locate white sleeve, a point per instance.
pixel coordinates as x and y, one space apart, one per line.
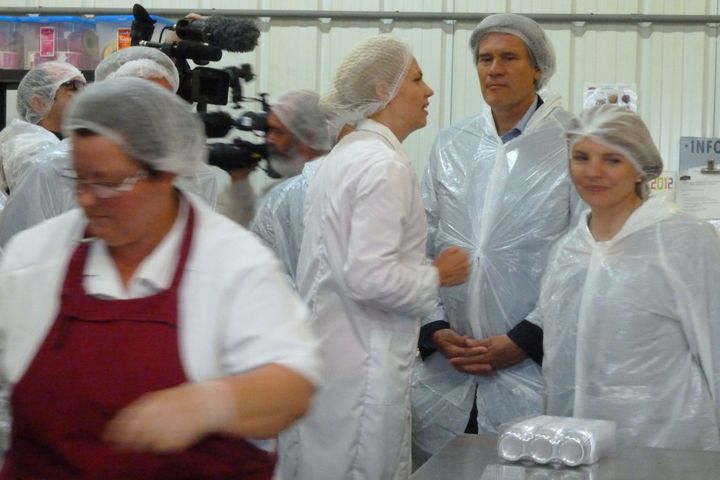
374 271
267 322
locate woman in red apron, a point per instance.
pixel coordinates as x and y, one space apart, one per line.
106 395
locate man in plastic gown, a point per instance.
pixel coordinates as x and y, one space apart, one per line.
497 185
298 138
32 139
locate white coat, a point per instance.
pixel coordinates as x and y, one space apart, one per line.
362 271
631 329
506 204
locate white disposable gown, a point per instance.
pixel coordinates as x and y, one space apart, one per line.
21 141
631 328
364 275
506 204
279 219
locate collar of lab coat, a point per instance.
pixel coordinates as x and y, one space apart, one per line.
369 125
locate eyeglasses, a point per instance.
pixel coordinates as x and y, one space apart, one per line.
105 190
74 85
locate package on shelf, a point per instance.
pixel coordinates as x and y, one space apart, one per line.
113 32
11 43
60 38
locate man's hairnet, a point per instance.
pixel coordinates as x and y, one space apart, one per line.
623 130
527 30
380 61
300 112
139 62
151 124
43 82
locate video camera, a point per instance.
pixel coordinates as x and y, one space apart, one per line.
202 41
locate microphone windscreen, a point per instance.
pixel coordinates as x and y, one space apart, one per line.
234 35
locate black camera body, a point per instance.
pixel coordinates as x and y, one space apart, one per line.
202 41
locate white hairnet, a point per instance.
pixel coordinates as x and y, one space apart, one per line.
43 82
300 112
151 124
529 31
382 60
624 130
139 62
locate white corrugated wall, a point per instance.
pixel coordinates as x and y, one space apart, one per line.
674 66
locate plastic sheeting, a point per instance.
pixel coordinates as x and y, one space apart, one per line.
40 193
631 328
506 204
20 141
279 220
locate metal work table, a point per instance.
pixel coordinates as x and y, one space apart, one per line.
473 457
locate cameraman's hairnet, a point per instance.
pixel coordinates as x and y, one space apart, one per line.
43 82
299 111
380 60
623 130
529 31
139 62
151 124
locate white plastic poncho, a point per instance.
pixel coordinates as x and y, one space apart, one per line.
279 219
631 329
20 142
506 204
42 192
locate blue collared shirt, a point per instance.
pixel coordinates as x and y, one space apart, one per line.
519 127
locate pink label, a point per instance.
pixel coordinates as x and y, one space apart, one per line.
47 41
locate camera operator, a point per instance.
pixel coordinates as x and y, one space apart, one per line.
209 182
297 139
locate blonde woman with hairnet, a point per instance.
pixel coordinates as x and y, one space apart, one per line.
146 336
629 303
362 270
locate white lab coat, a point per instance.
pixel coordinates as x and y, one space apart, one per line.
279 219
236 311
631 328
362 271
506 204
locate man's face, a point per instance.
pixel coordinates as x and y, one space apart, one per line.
279 138
506 72
283 148
64 94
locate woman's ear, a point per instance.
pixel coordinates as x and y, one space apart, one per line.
382 90
38 105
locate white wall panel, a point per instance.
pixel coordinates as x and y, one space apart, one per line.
675 67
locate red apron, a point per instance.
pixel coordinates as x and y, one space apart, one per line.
98 357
